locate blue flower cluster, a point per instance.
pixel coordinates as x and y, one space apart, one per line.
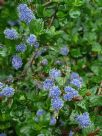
6 90
32 39
3 134
11 34
74 75
54 73
71 133
40 112
54 92
21 48
64 51
25 14
53 121
70 93
83 120
1 85
57 103
47 84
76 83
76 80
16 62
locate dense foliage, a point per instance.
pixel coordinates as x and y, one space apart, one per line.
50 68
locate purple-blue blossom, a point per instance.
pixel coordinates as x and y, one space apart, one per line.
1 85
8 91
11 34
25 13
53 121
83 120
68 89
47 84
21 47
71 133
77 83
64 51
70 93
40 112
32 39
16 62
54 73
74 75
54 92
36 45
3 134
57 103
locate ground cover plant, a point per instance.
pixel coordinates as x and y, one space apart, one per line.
50 68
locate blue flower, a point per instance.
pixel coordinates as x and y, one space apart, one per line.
44 62
71 133
53 121
83 120
11 34
57 103
16 62
32 39
70 93
54 73
54 92
21 48
74 75
25 13
1 85
76 82
68 89
64 51
8 91
47 84
36 44
40 112
3 134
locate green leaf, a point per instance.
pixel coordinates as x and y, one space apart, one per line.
48 12
37 26
74 13
96 47
95 101
76 53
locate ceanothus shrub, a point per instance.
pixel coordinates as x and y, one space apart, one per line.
50 68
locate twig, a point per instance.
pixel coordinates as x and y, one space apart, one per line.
47 3
53 17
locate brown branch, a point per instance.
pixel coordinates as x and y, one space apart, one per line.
47 3
94 133
53 17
